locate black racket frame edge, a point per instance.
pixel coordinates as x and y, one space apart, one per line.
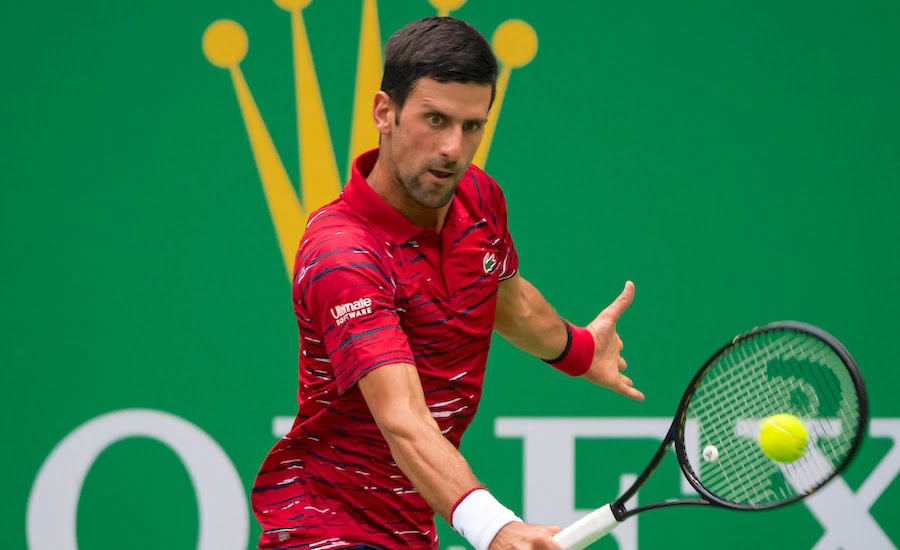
676 431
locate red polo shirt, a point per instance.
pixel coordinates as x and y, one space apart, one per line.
371 288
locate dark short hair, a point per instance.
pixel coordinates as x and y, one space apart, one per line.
443 48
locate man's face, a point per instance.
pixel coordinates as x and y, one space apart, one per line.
434 138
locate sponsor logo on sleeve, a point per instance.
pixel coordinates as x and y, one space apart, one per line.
351 310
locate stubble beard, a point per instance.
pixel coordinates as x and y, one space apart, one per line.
418 192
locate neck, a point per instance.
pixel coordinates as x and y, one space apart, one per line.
391 190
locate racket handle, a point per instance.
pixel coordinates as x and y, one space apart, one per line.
588 529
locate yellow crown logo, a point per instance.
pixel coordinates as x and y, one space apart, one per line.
225 45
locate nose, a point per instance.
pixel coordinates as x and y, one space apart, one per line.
451 143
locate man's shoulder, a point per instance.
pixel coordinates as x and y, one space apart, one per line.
481 191
336 236
337 223
476 179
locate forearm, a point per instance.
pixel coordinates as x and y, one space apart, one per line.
435 467
527 320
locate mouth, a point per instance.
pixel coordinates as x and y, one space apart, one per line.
441 175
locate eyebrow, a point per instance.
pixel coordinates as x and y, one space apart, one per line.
429 109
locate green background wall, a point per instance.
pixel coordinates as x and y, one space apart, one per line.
740 161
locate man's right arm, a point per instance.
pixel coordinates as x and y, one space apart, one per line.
434 466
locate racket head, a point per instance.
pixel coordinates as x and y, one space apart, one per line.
783 367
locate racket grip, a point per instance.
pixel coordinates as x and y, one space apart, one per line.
588 529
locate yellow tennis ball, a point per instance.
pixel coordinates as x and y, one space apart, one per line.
783 437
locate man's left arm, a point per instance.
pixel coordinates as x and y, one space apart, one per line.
529 322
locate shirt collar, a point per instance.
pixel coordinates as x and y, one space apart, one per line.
365 201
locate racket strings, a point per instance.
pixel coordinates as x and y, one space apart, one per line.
735 387
780 371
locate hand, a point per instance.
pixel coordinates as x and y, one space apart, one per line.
524 536
607 366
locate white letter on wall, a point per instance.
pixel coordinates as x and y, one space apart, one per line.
52 505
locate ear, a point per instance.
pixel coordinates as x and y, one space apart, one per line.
383 113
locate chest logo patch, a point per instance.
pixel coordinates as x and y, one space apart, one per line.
490 262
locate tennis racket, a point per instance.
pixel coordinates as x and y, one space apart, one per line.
783 367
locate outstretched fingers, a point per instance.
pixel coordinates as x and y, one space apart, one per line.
626 388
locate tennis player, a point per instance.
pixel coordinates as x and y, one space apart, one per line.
398 287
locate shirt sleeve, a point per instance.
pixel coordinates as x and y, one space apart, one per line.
346 288
509 264
508 257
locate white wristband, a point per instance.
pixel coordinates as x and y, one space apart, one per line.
479 517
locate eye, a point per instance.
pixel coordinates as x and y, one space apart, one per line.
435 119
471 126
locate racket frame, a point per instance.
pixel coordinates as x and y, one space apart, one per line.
676 431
